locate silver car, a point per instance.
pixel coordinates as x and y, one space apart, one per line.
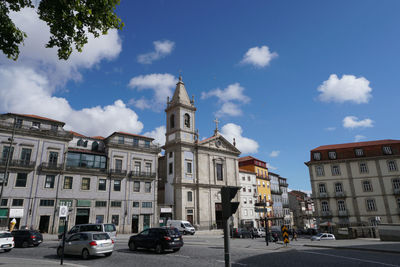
87 244
6 241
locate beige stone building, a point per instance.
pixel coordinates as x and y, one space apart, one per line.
356 184
194 170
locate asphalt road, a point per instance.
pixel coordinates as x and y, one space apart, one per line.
207 252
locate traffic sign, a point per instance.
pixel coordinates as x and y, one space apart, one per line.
285 234
63 211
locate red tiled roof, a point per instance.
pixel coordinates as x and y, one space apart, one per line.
357 144
250 158
36 117
98 137
77 134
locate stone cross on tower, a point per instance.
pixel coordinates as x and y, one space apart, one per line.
216 126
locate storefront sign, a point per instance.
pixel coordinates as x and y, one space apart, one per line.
16 213
166 210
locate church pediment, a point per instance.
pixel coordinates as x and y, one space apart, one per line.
218 142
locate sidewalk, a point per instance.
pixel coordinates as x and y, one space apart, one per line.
363 244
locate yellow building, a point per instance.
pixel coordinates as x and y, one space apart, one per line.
263 183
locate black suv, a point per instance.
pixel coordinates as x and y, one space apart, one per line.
158 239
25 238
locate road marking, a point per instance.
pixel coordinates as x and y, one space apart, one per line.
237 263
350 258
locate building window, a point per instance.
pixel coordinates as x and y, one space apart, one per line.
189 167
244 200
99 218
371 206
319 170
115 219
137 168
359 152
118 164
398 203
36 125
146 143
135 204
387 150
135 142
85 184
324 206
341 205
243 178
136 186
363 167
189 196
338 187
367 186
146 221
117 185
335 170
26 155
392 165
21 180
317 156
244 189
147 167
396 183
101 203
17 202
18 123
322 188
170 154
250 201
220 176
102 185
121 140
263 184
80 142
116 204
47 202
2 175
187 120
4 202
248 178
6 149
147 187
68 182
95 146
332 154
172 121
54 128
170 168
53 158
147 204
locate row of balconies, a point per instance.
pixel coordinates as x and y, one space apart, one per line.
131 144
36 131
340 213
24 165
396 191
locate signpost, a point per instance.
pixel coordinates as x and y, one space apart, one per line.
63 213
285 234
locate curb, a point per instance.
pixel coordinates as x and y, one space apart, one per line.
355 248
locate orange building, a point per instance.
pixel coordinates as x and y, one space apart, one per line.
263 182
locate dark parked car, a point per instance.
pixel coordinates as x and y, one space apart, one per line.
158 239
26 238
241 233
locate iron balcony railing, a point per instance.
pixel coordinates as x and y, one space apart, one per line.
342 213
340 194
19 163
138 174
118 172
85 168
396 191
130 143
35 130
51 166
323 195
326 214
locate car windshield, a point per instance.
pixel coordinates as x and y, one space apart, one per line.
103 236
187 224
91 228
319 234
5 235
109 228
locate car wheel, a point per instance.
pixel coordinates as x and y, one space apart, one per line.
108 254
159 249
25 244
132 246
7 250
176 249
59 251
184 232
192 233
85 254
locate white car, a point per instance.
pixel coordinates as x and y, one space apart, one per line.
261 232
6 241
323 236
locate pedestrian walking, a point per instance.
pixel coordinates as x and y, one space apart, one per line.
294 235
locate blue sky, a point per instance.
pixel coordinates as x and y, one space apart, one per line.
282 76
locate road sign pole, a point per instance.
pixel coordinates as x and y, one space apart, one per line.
63 240
226 243
266 223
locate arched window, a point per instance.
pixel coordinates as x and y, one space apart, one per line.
95 146
187 120
80 142
85 143
172 121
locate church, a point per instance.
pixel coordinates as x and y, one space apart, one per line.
192 171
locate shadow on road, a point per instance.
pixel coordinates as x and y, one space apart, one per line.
142 251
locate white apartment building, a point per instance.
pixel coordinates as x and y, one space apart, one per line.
248 197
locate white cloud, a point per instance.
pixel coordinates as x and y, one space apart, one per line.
37 99
353 122
330 129
141 103
244 144
160 84
359 138
259 56
348 88
229 98
161 50
274 153
158 134
34 54
271 167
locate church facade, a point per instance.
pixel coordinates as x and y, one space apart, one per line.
192 172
